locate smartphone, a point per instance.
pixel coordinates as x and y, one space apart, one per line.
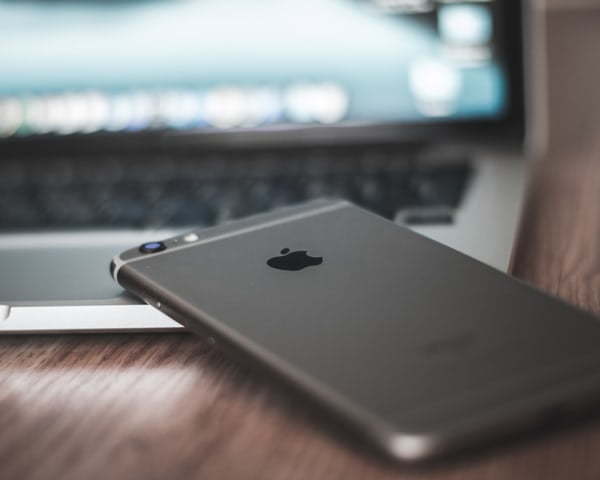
418 348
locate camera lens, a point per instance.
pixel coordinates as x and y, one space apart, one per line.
152 247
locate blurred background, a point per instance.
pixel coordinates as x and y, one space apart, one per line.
125 120
87 66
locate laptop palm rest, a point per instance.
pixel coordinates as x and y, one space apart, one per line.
59 282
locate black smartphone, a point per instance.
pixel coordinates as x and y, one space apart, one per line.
420 349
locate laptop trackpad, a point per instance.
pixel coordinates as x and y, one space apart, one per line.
64 268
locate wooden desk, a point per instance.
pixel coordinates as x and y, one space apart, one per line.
167 407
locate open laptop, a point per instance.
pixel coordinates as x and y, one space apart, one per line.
123 122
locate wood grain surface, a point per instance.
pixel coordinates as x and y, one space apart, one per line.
159 406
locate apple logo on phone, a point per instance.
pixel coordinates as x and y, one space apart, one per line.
293 261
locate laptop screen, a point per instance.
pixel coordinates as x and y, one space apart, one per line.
79 67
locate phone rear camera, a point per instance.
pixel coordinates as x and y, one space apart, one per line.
152 247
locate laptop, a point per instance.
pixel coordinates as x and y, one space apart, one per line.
124 122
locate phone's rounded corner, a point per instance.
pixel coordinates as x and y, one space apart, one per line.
411 448
115 264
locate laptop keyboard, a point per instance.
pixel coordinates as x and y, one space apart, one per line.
202 189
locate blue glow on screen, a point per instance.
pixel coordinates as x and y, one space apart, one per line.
84 66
